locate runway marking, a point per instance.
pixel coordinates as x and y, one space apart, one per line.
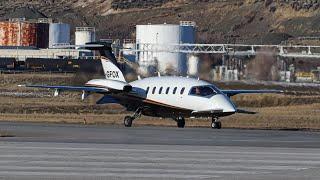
120 170
30 151
159 159
86 174
274 141
38 165
220 148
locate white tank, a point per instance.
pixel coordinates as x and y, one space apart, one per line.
193 65
59 33
161 35
84 35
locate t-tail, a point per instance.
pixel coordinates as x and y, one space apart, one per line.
109 62
111 71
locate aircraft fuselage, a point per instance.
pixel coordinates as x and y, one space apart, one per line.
177 96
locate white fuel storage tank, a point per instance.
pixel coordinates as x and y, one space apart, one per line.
156 36
59 34
84 35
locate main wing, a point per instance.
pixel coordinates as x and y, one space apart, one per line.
235 92
70 88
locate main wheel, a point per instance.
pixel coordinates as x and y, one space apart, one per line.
216 125
128 121
181 122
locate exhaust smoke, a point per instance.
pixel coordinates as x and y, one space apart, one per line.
263 67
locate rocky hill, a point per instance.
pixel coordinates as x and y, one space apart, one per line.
218 21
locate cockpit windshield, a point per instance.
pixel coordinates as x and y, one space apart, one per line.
203 91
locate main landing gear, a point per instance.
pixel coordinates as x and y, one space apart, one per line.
215 124
128 120
180 122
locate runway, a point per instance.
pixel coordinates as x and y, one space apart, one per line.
58 151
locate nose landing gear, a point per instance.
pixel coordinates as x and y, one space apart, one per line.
180 122
215 124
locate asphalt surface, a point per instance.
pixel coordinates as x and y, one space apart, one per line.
59 151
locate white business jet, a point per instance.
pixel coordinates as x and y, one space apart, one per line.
163 96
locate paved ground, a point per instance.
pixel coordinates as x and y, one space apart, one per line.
51 151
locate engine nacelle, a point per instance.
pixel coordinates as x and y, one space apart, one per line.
110 85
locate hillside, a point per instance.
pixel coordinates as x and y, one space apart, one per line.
218 21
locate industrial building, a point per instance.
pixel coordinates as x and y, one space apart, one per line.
19 33
40 33
41 40
166 48
23 53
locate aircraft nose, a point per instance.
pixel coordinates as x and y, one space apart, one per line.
224 103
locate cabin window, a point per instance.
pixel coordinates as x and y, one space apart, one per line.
182 90
203 91
147 91
175 90
160 90
167 91
153 90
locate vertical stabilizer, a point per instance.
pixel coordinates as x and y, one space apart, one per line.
111 71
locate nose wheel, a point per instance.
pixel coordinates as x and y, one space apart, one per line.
215 124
